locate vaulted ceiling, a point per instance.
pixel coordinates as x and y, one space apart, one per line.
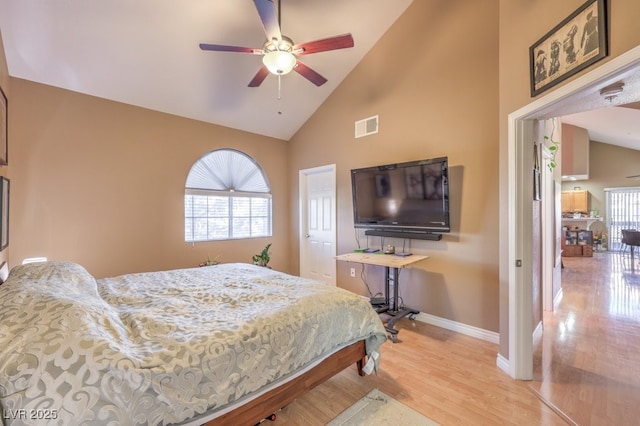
146 53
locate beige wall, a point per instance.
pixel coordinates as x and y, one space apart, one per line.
102 183
4 83
433 80
522 23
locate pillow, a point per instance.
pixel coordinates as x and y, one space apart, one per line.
52 275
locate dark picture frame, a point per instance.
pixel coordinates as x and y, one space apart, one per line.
576 43
4 128
4 213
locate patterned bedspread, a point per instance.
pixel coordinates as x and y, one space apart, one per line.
161 347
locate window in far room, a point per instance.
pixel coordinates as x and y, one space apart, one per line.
227 196
622 212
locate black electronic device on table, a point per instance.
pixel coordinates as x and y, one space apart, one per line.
377 300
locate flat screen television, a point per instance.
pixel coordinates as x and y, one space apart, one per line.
410 197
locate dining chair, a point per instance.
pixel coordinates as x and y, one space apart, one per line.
631 239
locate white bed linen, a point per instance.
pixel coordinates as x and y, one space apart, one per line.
162 347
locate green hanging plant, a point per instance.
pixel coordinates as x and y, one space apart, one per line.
553 148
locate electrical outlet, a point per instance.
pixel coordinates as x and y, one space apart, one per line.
353 272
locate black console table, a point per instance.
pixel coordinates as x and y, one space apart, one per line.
392 265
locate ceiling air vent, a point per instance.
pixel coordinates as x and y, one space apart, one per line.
367 126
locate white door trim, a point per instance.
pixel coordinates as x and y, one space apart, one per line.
548 230
302 203
519 230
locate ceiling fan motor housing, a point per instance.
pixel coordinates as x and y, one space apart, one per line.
278 57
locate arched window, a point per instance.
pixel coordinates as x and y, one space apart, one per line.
227 196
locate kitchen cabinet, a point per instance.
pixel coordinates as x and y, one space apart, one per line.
575 201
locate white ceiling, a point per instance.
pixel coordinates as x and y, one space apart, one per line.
613 125
615 121
145 53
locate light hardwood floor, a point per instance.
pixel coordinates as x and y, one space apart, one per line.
449 377
586 364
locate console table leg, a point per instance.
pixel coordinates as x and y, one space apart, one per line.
390 325
396 292
392 276
387 285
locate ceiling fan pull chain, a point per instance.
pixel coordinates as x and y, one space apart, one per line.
279 97
279 86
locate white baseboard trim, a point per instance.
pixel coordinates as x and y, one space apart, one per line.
469 330
557 299
503 364
537 333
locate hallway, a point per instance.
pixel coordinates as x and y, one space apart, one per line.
587 362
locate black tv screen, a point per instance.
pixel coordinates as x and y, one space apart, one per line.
411 196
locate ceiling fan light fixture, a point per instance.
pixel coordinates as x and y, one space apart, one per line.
279 62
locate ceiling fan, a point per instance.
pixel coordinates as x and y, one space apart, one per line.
280 54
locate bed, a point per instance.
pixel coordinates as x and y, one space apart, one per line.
229 343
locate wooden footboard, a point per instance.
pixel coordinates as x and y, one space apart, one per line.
254 411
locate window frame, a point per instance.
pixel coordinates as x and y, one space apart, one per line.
232 195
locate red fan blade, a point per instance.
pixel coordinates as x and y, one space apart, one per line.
223 48
269 17
309 74
332 43
263 72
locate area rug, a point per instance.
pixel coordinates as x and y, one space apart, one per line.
376 408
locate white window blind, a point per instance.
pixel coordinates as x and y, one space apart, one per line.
623 212
227 196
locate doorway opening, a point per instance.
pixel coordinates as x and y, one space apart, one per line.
567 99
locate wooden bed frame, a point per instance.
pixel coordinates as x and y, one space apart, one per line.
257 409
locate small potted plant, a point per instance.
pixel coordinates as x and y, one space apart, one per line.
263 258
209 261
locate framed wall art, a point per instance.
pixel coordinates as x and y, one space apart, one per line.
4 212
4 128
576 43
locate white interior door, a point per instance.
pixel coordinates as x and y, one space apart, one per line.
318 224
